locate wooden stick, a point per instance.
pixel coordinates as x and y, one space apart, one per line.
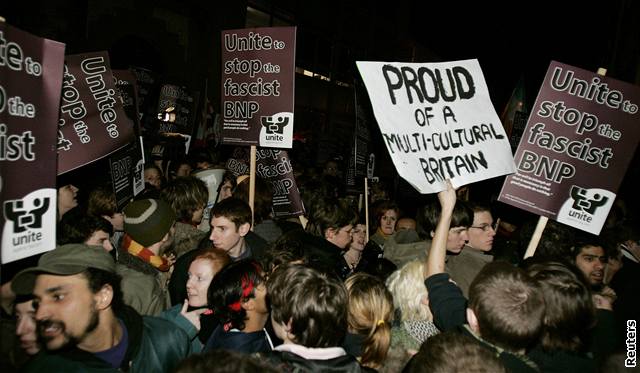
366 208
252 182
535 239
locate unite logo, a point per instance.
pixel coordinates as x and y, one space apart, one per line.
274 124
583 205
585 208
276 130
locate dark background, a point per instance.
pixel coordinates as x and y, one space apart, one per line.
180 42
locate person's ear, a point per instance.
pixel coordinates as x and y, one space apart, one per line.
248 304
244 229
104 297
473 321
432 233
287 329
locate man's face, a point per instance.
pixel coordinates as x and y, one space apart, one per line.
340 237
481 233
100 238
457 238
67 197
26 327
406 224
65 310
592 262
226 236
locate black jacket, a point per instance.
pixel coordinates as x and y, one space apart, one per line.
449 309
247 343
285 361
155 345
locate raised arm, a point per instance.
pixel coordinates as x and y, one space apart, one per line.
447 304
438 251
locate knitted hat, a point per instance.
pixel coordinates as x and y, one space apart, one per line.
148 220
65 260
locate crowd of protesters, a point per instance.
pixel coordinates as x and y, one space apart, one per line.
149 289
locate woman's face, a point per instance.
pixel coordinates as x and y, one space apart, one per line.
201 272
358 237
388 222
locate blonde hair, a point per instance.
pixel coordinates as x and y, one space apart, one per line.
370 313
408 289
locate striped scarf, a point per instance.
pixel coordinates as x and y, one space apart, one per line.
135 249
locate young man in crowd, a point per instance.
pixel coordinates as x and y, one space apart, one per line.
83 322
76 227
505 307
102 203
589 256
148 225
458 233
309 313
231 230
464 267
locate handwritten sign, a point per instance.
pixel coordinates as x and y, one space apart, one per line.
30 81
437 122
579 140
258 67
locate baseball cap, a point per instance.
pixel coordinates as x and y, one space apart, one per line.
64 260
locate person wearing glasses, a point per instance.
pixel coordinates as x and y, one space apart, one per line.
464 266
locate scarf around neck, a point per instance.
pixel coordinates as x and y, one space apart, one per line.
145 254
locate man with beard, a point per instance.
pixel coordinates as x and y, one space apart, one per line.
589 256
83 322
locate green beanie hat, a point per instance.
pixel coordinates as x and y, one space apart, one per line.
148 220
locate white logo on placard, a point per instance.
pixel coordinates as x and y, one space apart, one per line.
586 209
276 130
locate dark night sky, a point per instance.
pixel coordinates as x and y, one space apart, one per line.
517 39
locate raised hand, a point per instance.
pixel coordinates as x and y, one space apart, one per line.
192 316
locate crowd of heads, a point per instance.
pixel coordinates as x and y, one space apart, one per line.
330 284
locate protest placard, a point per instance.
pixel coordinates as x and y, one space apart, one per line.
92 122
127 89
177 109
437 122
127 174
30 81
357 163
580 137
258 67
274 166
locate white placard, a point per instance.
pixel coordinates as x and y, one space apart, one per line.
437 122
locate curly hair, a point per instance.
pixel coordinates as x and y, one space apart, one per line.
407 286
